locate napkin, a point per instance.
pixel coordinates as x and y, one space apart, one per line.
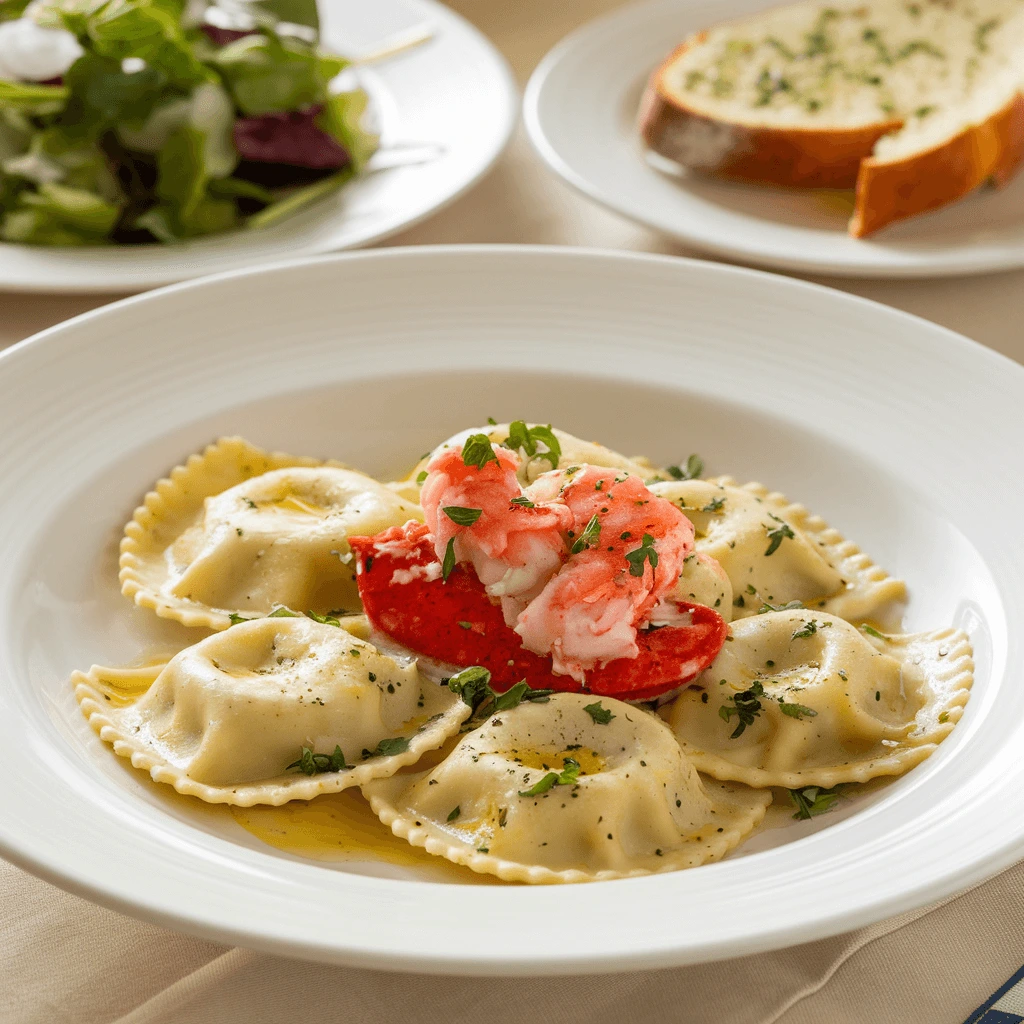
64 959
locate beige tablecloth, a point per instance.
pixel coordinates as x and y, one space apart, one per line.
63 959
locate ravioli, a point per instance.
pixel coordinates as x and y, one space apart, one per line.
704 581
624 799
240 530
574 452
775 552
801 698
225 718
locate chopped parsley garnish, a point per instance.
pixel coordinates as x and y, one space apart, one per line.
236 618
589 537
462 516
283 612
515 695
523 502
788 606
813 800
644 553
420 477
598 713
871 631
477 451
567 777
794 710
324 620
464 625
472 685
810 627
454 813
714 505
387 748
693 469
524 438
778 534
314 764
449 559
747 705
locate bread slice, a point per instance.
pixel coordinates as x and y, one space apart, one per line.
914 103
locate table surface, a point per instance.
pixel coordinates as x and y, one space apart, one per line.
521 201
58 951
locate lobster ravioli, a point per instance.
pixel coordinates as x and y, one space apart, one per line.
238 530
775 552
570 790
227 719
801 698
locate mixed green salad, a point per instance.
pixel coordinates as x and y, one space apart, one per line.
140 121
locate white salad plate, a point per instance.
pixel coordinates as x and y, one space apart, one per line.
445 108
905 436
580 111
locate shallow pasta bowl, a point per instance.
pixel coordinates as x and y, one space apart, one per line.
862 413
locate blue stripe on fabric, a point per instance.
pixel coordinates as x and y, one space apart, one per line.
984 1014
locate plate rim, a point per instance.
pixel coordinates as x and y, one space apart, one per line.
478 963
506 116
772 259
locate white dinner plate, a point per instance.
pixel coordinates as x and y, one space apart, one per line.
580 111
903 435
446 110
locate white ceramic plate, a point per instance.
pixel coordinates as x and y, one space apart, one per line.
857 410
451 100
580 110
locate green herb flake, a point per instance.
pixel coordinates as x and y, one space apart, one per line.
714 505
567 777
638 557
692 471
778 534
449 559
389 747
324 620
472 685
813 800
589 537
746 705
871 631
798 711
454 813
600 714
462 516
477 451
809 628
236 618
523 502
283 612
315 764
421 477
525 439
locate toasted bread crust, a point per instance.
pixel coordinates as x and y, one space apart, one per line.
891 191
828 157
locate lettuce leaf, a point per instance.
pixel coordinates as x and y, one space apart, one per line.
146 29
74 208
342 117
55 214
268 75
186 209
